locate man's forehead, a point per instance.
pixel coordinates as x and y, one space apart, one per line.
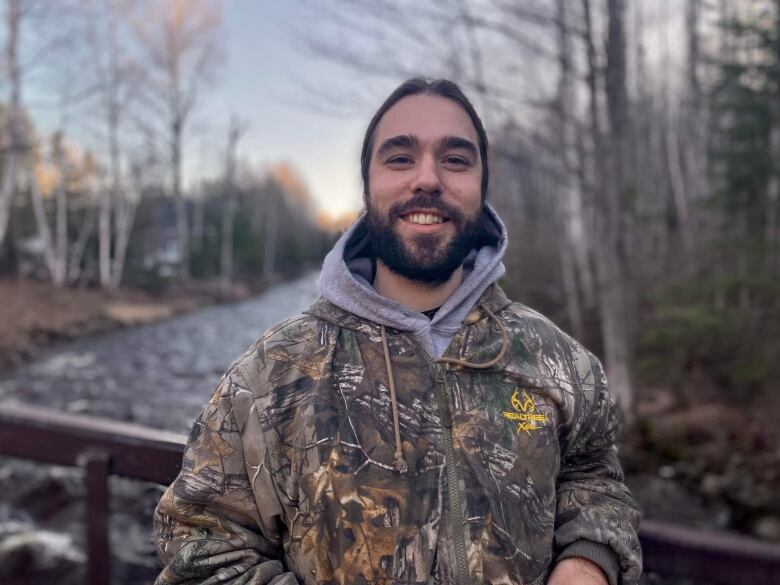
427 117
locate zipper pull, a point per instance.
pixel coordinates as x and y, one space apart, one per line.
446 415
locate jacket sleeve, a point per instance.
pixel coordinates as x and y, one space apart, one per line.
596 516
208 528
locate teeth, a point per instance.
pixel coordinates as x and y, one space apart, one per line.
424 218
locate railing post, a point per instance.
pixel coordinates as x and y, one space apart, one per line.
97 467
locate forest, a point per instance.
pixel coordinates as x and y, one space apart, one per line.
100 116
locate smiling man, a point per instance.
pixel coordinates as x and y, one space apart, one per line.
413 425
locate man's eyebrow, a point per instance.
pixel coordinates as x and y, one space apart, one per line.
400 141
459 142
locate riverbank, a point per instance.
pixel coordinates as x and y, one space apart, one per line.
36 314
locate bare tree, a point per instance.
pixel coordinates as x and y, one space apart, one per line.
575 248
88 220
117 79
772 237
699 120
236 129
14 145
610 149
180 38
271 238
55 245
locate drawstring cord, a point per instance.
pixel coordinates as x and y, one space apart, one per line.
399 463
488 364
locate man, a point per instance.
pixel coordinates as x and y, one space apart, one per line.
413 425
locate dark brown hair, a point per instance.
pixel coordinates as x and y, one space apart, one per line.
417 86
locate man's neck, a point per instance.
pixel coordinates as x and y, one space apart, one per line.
416 295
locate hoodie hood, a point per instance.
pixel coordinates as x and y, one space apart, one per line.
348 272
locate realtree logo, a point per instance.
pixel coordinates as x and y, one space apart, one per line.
525 412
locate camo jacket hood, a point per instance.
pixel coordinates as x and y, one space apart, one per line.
289 474
348 273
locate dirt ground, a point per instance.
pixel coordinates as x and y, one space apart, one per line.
35 314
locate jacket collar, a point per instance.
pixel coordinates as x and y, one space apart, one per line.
494 299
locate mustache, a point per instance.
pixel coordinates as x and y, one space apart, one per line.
422 201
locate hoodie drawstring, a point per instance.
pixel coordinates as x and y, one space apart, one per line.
399 463
488 364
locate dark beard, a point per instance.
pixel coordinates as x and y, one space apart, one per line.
423 260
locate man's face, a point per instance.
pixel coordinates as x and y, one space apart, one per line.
424 205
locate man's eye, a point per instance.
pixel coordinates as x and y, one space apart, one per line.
456 161
399 160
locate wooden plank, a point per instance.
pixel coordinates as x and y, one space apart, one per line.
711 557
97 467
33 432
139 452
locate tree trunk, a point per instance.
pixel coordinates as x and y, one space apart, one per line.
226 252
42 222
772 238
61 214
569 203
13 115
123 227
678 184
269 249
696 137
182 223
109 198
80 245
610 185
198 223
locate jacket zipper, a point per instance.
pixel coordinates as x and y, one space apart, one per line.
456 512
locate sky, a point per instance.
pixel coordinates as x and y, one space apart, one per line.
265 70
263 76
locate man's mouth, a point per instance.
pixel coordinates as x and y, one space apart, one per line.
424 218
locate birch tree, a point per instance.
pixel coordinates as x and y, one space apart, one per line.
117 79
55 242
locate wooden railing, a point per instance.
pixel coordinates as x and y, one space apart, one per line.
103 448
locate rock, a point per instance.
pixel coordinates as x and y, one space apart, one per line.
43 496
655 401
669 500
712 485
768 528
697 425
40 556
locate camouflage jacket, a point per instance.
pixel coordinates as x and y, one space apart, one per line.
288 473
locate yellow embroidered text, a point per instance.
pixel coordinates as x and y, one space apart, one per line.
525 413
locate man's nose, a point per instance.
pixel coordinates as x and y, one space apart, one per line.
427 179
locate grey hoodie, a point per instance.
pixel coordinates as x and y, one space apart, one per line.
347 276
